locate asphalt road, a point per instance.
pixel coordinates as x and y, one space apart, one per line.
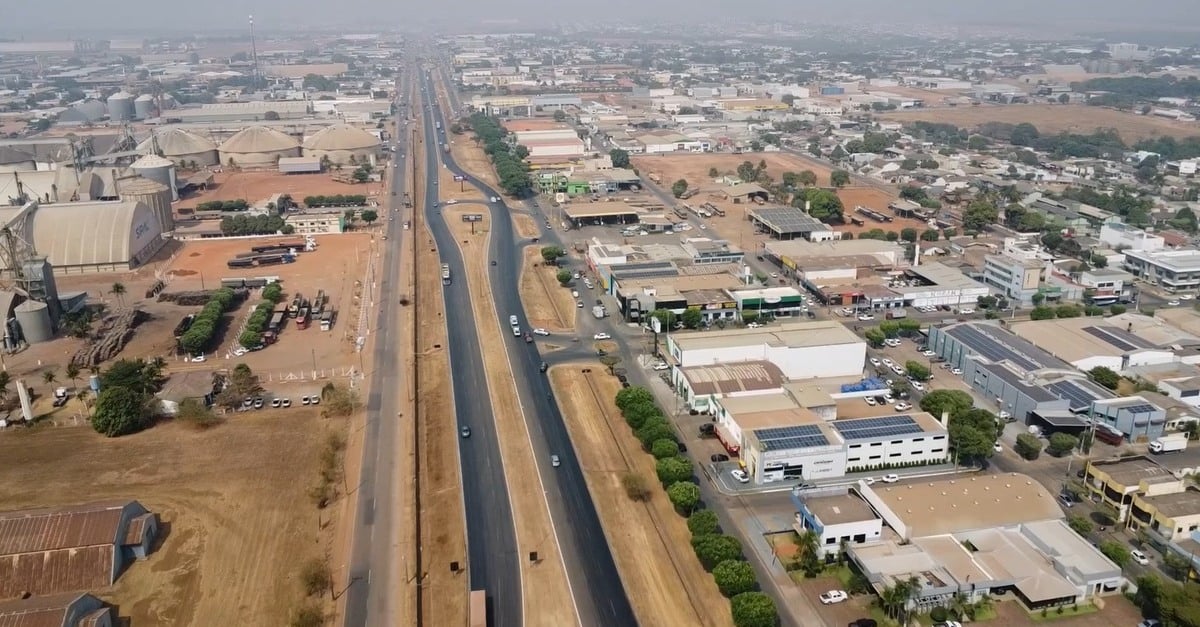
596 584
370 582
491 539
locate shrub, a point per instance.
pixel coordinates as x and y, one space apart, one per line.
315 576
636 487
703 522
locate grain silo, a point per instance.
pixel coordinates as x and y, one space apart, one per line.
153 194
258 146
34 319
342 144
185 148
157 169
143 107
120 107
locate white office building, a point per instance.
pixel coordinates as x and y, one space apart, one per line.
1173 270
801 350
1120 236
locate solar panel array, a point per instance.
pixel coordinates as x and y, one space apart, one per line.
1080 396
1144 408
999 349
788 220
1117 338
781 438
881 427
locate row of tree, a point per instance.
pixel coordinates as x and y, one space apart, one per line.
509 160
255 225
720 554
252 334
223 205
973 431
336 200
198 336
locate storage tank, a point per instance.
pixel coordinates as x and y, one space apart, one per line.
120 107
184 148
258 146
153 194
342 144
157 169
34 318
143 107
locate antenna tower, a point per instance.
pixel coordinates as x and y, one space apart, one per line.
253 56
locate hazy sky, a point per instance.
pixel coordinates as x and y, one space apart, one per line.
82 18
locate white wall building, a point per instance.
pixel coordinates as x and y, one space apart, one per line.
801 350
1119 235
837 516
1173 270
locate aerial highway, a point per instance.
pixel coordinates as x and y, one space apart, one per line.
599 595
491 538
369 598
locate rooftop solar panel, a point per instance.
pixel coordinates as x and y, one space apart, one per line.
996 345
801 436
1111 338
882 427
788 219
1080 396
1144 408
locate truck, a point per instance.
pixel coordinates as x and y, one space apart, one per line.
897 314
327 320
302 319
445 274
1109 435
598 311
478 608
277 321
653 176
294 309
1172 443
445 148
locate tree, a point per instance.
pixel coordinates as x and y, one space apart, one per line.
909 234
563 276
691 318
713 173
930 235
979 215
118 290
734 577
560 115
120 411
1061 444
652 431
952 402
638 414
620 158
1041 313
665 317
72 373
973 433
315 577
875 337
917 370
716 548
1116 552
684 495
1105 376
551 254
49 377
807 178
673 469
703 523
662 449
679 188
978 142
243 382
369 215
633 395
1028 446
753 609
1031 221
839 178
1080 524
821 204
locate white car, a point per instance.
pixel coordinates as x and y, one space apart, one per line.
662 366
917 385
774 275
451 202
601 336
866 316
740 475
892 342
875 361
540 331
753 325
834 596
1173 303
197 358
966 311
902 406
1186 296
998 448
888 362
898 370
871 401
1139 557
956 371
928 353
869 480
890 478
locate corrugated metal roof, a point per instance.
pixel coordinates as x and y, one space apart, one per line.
84 234
256 139
341 137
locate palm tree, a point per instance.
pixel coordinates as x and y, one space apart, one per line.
5 380
118 290
49 377
72 373
83 395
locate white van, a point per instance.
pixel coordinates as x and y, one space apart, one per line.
512 320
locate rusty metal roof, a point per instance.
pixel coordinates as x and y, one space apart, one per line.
63 570
28 531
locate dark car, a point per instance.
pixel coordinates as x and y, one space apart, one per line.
864 622
719 457
528 338
543 367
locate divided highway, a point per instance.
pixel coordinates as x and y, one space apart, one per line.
491 538
599 595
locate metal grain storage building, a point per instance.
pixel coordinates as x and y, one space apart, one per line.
34 320
143 107
343 144
258 146
87 237
182 147
120 107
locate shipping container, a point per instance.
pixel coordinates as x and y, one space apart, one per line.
233 283
240 263
277 321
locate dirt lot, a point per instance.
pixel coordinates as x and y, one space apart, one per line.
1054 119
547 304
525 225
449 189
259 185
443 520
650 543
470 157
233 501
546 592
694 167
338 266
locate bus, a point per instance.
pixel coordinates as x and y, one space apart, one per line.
478 608
445 274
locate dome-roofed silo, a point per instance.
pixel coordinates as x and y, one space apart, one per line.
158 169
183 147
258 146
153 194
342 143
120 106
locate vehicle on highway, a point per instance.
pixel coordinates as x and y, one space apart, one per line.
753 325
465 431
554 461
869 480
493 262
543 367
579 304
834 596
1139 557
407 225
528 338
890 478
719 457
601 336
740 475
540 331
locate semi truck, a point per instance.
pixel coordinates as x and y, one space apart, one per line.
327 320
1172 443
445 274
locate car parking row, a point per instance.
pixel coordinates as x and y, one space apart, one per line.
258 402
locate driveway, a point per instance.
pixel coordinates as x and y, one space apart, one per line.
854 608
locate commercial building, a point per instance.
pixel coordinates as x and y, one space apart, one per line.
69 609
316 221
787 223
838 516
933 284
55 550
1121 236
1173 270
1117 482
981 535
242 112
1134 416
1089 342
1106 286
1014 278
775 302
801 350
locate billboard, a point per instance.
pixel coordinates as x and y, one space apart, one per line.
472 217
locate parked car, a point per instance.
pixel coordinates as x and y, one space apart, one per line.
866 316
540 331
956 371
660 366
719 457
601 336
834 596
998 447
890 478
740 475
902 406
869 480
871 401
875 361
1139 557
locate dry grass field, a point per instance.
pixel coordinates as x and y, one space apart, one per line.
1054 119
253 186
525 225
233 500
694 167
546 591
547 304
665 582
